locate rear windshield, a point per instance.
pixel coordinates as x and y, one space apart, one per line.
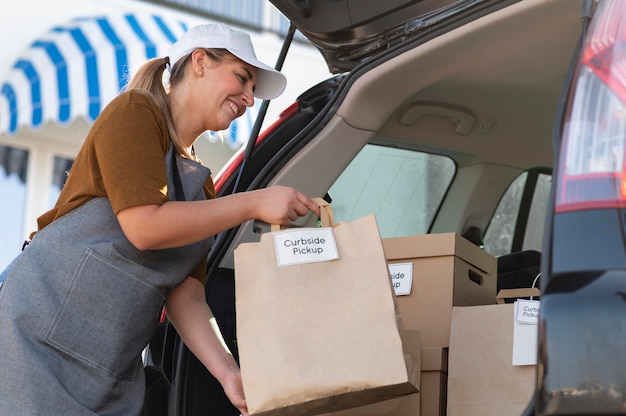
403 188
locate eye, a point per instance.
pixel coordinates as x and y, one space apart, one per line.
242 78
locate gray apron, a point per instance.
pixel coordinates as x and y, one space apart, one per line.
79 305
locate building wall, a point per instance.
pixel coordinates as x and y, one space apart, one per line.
49 147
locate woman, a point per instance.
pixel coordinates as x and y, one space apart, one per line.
130 233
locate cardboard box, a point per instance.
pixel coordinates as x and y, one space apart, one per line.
447 271
433 382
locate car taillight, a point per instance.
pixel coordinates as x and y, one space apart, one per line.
592 169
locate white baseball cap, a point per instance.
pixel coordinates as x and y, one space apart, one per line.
270 84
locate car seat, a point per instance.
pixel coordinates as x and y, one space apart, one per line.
518 270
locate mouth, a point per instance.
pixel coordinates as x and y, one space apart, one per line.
235 109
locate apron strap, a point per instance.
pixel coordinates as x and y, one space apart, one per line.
178 185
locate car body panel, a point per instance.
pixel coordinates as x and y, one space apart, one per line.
582 331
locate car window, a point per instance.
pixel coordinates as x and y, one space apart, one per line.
403 188
518 222
533 237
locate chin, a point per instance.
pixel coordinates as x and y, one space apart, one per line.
220 125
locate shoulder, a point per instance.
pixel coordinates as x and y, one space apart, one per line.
134 105
131 117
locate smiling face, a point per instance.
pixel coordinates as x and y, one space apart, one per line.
224 89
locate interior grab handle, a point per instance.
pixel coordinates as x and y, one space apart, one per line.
464 120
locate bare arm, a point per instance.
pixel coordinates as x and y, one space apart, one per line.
187 309
176 224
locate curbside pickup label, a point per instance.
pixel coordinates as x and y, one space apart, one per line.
525 331
527 311
401 278
305 245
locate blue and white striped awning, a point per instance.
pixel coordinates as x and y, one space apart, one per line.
76 69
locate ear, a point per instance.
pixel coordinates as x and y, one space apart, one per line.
198 61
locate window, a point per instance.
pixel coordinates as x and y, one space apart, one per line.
59 175
13 174
519 219
403 188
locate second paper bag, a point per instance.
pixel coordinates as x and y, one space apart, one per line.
321 336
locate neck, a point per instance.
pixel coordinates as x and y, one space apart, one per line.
184 124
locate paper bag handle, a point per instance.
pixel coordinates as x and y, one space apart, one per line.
522 292
327 218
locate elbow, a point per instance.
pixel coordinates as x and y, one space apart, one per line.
142 238
141 244
142 233
140 241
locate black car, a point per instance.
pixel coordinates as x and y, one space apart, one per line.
503 121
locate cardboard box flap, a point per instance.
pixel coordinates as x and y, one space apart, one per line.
438 245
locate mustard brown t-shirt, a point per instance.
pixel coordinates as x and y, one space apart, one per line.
122 159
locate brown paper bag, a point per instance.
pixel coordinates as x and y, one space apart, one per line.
482 381
322 336
406 405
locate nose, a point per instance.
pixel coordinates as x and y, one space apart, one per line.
248 95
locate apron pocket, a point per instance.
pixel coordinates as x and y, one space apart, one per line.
106 318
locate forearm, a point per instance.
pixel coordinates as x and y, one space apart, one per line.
194 322
176 224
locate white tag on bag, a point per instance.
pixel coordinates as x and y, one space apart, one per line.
305 245
525 331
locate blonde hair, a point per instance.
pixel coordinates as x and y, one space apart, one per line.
149 77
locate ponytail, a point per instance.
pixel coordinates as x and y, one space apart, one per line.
149 77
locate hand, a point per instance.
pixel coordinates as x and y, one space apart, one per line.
282 205
233 388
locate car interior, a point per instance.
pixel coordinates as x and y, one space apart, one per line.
481 98
448 132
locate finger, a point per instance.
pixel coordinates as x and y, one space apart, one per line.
301 210
312 206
